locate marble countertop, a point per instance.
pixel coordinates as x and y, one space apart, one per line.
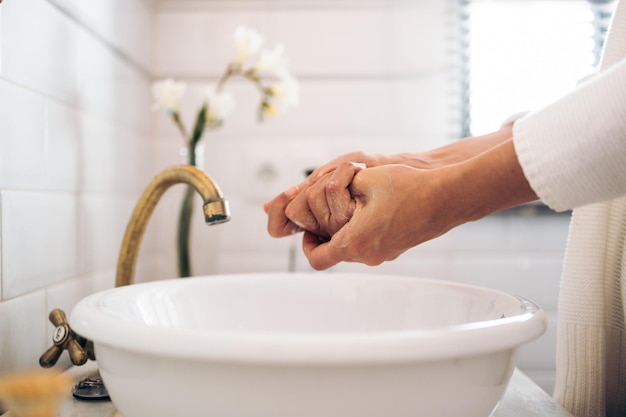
523 398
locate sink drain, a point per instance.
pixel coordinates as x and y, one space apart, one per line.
90 389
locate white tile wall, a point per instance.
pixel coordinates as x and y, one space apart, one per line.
23 332
39 233
344 40
42 59
123 25
22 147
75 150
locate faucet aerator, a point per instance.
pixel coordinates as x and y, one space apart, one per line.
216 211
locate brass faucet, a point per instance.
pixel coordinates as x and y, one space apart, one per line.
215 211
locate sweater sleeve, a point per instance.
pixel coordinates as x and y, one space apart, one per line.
573 152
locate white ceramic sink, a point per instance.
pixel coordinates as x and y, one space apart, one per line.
304 345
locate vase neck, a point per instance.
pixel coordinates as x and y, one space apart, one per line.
191 154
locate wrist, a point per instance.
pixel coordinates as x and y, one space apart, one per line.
465 149
491 181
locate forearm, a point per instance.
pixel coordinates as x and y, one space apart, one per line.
489 182
458 151
399 207
280 224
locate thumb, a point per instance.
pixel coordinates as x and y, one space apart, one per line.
358 187
322 254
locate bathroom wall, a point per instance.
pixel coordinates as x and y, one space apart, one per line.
78 143
75 150
375 76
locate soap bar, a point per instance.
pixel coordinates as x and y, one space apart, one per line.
33 393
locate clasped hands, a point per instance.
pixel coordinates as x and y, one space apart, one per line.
371 208
359 208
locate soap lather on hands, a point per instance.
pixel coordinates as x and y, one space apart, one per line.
326 205
323 203
320 206
339 209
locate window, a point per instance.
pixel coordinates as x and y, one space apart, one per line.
522 54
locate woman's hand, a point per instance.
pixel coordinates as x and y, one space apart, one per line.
280 225
321 204
302 215
326 205
398 207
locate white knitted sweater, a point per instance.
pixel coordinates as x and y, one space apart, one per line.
573 153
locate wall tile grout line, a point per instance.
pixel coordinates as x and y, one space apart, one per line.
145 72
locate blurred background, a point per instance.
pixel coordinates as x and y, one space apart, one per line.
79 142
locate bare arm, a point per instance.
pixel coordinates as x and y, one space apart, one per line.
399 207
321 205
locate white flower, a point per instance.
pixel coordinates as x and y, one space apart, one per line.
248 42
167 94
280 97
273 62
286 91
220 105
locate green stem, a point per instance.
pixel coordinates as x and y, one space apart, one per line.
186 208
184 221
179 123
251 76
231 70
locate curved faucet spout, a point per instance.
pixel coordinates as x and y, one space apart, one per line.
215 211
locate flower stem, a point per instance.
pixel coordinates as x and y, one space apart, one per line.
232 69
184 221
186 208
184 228
179 123
251 76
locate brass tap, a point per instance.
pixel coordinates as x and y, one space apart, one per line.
215 211
79 348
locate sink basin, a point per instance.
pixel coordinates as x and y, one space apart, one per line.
306 345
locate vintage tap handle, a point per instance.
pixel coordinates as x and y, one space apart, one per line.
79 348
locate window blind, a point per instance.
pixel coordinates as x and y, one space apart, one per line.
519 55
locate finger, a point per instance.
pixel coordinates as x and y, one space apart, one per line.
321 254
338 195
360 187
278 224
318 206
299 212
328 204
321 171
310 210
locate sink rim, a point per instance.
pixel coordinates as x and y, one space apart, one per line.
392 346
